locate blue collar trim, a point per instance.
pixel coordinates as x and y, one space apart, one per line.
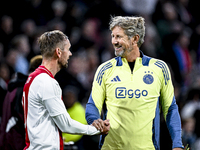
145 60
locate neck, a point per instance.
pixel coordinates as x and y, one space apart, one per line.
51 65
132 55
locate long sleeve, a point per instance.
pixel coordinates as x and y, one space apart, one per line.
174 125
169 106
64 122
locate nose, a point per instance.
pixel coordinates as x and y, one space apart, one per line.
70 53
114 41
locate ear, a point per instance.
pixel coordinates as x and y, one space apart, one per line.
135 39
58 52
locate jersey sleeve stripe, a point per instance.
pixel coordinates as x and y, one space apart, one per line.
164 70
102 71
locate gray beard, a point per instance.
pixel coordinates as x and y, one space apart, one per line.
119 54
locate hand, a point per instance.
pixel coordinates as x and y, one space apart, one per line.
106 127
99 124
103 126
177 149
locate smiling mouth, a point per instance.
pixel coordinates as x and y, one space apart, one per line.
118 48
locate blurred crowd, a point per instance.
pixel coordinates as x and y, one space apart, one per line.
172 34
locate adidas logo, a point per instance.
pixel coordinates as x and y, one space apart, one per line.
116 79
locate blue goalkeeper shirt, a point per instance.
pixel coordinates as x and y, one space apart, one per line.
133 100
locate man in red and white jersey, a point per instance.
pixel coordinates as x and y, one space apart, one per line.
45 115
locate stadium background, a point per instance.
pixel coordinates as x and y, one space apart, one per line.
172 34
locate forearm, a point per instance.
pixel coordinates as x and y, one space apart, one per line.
92 113
63 120
68 125
174 125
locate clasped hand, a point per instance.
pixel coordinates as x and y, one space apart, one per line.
102 125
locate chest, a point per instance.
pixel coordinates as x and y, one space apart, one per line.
139 87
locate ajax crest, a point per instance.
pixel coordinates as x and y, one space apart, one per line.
148 78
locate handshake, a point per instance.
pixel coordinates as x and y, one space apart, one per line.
102 125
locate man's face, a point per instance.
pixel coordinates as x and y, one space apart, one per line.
121 43
66 53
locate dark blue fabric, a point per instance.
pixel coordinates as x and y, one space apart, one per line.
118 61
174 124
145 59
156 128
91 112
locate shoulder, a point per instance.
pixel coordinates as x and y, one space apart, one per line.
108 65
43 79
158 63
161 68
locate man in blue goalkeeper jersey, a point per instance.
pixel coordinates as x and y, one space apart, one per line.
133 88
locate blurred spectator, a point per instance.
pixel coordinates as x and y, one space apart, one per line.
12 131
195 44
106 50
29 28
169 23
35 48
182 7
188 135
6 32
176 52
91 29
11 61
74 15
3 85
89 35
79 67
4 72
109 8
142 7
82 66
75 35
180 48
21 44
152 40
93 62
192 103
59 8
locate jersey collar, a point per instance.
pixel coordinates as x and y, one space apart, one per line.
46 70
145 60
